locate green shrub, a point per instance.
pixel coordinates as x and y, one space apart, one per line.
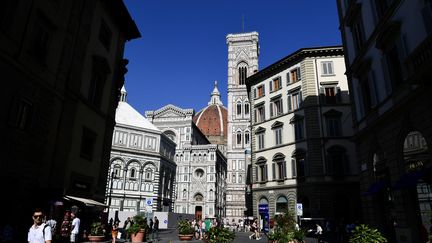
139 223
365 234
220 235
185 227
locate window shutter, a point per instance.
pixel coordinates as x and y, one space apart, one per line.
263 88
271 109
255 115
293 168
265 173
298 74
274 170
330 68
289 103
271 85
300 101
284 170
256 173
255 93
324 68
288 78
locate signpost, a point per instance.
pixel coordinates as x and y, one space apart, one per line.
299 209
149 205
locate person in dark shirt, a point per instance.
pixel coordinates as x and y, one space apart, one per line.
156 227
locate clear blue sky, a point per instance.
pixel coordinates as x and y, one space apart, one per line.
183 49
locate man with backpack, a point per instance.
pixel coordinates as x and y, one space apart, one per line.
39 232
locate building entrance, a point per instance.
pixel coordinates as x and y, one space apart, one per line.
198 212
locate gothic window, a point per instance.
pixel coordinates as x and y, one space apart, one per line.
247 138
239 138
239 109
246 109
242 75
240 179
233 178
132 173
211 194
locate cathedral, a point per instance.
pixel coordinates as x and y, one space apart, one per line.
212 146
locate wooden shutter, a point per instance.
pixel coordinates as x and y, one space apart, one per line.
274 170
271 109
298 74
271 85
265 173
284 175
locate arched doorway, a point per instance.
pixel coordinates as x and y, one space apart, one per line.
417 179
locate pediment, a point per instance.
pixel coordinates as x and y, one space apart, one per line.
170 111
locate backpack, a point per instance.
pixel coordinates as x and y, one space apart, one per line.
65 228
43 231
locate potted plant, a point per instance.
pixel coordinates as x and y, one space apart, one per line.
286 230
186 231
220 235
96 232
366 234
137 230
273 236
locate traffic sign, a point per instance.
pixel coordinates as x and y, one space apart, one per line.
149 201
299 209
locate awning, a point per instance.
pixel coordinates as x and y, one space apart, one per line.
375 188
409 179
86 201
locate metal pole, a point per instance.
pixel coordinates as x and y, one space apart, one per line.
110 191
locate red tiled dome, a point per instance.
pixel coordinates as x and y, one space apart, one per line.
213 119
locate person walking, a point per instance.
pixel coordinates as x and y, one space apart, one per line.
75 228
114 231
65 228
151 228
39 232
156 227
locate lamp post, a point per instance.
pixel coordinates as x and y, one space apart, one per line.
110 191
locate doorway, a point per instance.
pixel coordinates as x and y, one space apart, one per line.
198 212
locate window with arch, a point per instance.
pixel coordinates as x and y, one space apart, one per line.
199 173
263 201
246 109
132 173
242 74
281 204
239 109
298 163
149 174
184 196
239 138
261 170
279 167
211 194
247 138
240 178
117 171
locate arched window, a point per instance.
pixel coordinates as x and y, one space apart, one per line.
242 74
171 135
199 173
246 109
239 138
117 171
148 174
184 193
211 194
132 173
263 201
239 109
281 204
247 138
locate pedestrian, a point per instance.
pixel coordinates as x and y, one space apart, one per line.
156 227
75 228
65 228
151 227
127 224
53 224
114 231
39 232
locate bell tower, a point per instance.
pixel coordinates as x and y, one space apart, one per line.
243 52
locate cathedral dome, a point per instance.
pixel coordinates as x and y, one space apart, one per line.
212 120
